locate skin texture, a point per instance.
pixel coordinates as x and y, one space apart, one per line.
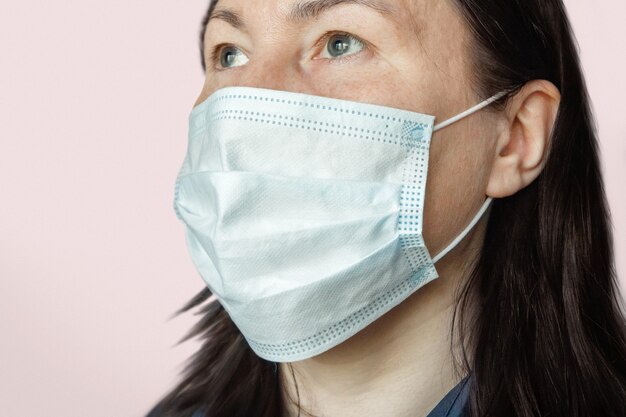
417 57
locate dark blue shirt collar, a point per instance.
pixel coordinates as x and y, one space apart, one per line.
455 402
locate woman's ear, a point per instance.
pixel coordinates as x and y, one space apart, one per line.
524 142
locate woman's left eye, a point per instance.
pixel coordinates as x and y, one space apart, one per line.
342 44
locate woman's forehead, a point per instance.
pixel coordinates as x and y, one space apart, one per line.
302 11
441 18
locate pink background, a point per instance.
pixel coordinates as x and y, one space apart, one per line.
94 98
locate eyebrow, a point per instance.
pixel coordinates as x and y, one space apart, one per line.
302 12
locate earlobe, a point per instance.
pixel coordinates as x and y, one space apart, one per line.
523 145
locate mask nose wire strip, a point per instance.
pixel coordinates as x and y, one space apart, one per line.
469 111
469 227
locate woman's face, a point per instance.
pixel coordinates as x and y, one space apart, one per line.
409 54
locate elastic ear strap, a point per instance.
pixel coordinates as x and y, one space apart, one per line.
467 229
469 111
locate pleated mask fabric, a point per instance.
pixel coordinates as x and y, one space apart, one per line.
303 214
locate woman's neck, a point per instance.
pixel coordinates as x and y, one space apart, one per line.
400 365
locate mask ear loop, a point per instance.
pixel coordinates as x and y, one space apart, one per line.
465 231
488 201
469 111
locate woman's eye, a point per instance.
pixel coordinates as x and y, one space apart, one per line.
339 45
230 56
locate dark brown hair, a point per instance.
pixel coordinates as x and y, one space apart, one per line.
549 335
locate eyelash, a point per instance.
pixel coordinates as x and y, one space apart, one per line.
215 55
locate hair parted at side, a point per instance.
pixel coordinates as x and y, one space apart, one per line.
548 334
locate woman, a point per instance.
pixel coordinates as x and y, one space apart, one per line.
524 318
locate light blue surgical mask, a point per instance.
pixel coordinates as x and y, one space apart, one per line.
303 214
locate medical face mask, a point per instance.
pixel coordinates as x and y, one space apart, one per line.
304 214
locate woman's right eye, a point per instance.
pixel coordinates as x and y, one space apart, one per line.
229 56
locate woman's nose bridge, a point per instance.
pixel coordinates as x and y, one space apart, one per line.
268 76
275 68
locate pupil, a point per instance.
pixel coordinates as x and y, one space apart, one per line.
228 57
339 46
